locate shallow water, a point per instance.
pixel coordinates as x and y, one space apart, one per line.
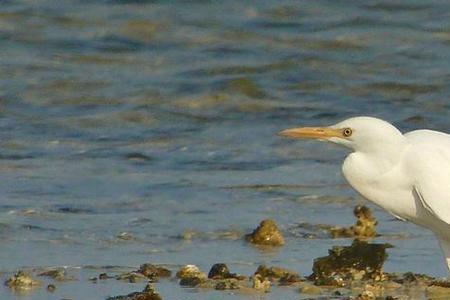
159 118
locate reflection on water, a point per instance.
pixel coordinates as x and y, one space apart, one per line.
156 118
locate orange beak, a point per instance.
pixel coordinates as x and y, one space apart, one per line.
312 132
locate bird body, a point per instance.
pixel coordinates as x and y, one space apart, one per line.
406 174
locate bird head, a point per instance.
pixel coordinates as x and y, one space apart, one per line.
365 134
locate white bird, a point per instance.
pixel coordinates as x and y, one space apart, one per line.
406 174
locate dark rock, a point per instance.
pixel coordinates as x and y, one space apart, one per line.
267 233
220 271
361 260
51 288
152 271
148 293
191 281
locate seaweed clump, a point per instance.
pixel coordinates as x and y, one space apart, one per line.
267 233
359 261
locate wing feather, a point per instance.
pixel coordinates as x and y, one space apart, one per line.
430 167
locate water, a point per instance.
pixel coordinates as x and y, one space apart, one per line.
159 118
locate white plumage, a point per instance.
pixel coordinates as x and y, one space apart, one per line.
406 174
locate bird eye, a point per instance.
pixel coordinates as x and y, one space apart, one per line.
347 132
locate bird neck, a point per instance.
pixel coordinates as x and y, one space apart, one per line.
383 156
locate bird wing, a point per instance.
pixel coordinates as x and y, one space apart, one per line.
429 165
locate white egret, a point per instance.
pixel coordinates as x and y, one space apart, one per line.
406 174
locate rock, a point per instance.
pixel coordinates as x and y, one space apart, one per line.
267 233
153 272
191 281
145 272
190 275
361 260
227 284
190 271
275 272
221 271
56 274
132 277
22 280
261 283
51 288
148 293
365 226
